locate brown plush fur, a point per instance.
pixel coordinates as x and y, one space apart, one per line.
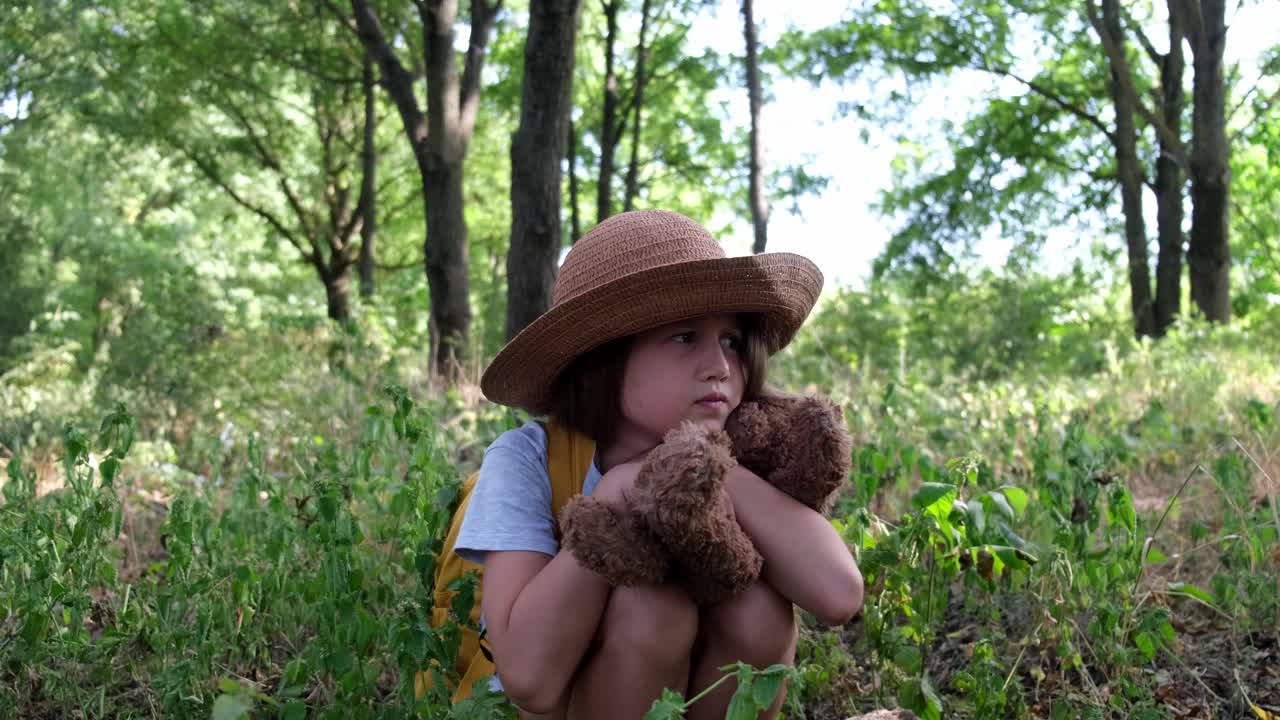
613 541
680 493
799 444
677 524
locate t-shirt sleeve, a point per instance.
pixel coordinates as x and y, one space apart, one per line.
510 507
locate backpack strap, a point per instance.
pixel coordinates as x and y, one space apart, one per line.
569 458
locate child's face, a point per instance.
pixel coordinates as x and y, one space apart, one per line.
688 370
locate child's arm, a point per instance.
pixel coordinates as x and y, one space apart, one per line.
805 559
542 612
540 615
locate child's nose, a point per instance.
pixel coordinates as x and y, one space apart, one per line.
715 364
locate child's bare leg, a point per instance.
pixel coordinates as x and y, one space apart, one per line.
757 627
643 645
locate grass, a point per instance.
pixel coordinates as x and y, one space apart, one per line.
1037 545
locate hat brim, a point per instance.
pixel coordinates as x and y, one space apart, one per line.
781 288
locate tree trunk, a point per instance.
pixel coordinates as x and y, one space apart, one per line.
642 52
368 184
1169 180
1209 254
337 288
1125 139
575 223
439 141
536 153
608 123
759 204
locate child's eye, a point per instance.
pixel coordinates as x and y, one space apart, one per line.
684 337
731 342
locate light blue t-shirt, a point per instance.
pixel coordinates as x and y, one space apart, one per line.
510 508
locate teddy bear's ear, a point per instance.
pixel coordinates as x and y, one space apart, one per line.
816 432
748 425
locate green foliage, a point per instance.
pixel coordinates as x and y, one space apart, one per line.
300 584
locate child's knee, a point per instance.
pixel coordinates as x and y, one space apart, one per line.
759 626
657 622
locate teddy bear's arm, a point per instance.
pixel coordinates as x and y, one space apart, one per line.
613 542
680 492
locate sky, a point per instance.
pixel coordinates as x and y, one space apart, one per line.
839 230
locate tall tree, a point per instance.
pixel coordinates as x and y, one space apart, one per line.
1170 179
1109 27
756 195
1032 161
536 153
369 180
282 84
1209 254
609 122
575 223
439 139
637 108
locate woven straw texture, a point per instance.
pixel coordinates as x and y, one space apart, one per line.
636 271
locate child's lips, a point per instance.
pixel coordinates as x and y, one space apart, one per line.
714 400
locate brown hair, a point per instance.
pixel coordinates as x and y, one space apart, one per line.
587 397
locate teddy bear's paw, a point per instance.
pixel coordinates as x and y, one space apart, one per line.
729 572
612 542
750 433
821 456
687 469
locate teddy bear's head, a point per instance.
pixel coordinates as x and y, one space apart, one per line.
799 444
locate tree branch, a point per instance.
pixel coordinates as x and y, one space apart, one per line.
210 171
1120 67
414 265
393 76
483 17
1054 98
273 164
1267 105
1136 29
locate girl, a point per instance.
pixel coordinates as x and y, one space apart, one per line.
650 326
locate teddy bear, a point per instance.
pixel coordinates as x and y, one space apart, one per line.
677 522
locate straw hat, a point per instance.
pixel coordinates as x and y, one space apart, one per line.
636 271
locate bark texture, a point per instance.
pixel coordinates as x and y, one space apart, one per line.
1170 179
439 138
759 203
536 153
368 183
1209 253
608 116
1125 140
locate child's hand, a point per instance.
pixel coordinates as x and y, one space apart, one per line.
618 482
606 536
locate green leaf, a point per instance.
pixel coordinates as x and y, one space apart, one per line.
1016 496
1145 644
977 516
230 707
294 710
1155 557
1001 504
930 696
1186 588
908 658
765 689
668 707
743 706
931 493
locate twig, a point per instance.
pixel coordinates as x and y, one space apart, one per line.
1196 676
1275 514
1222 613
1014 668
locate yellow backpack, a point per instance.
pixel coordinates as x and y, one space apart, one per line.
569 456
